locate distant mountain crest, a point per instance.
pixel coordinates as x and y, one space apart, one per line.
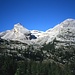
68 23
19 28
18 24
70 19
20 33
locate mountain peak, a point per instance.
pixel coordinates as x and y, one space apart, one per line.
17 33
68 23
19 28
69 20
18 25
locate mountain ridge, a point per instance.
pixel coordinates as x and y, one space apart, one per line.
22 34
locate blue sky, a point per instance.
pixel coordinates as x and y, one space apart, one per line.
35 14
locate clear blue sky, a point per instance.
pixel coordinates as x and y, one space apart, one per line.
35 14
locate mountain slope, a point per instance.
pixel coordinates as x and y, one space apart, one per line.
66 29
18 33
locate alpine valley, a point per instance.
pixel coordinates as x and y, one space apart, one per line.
33 52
